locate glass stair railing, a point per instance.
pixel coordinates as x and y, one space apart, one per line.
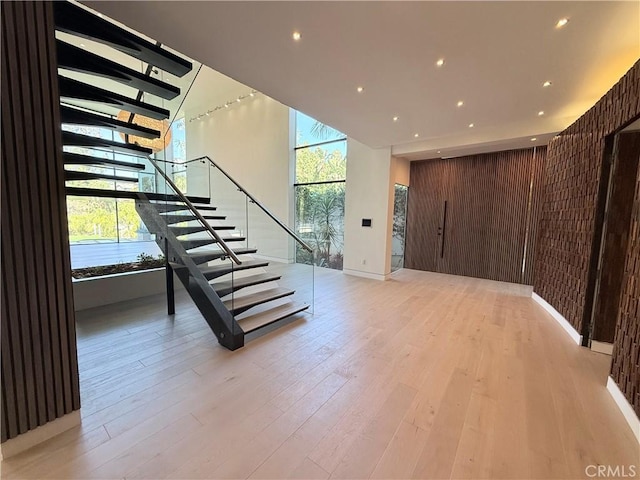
246 253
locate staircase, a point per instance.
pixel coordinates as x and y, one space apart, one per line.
237 297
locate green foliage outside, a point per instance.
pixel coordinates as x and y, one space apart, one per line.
320 208
143 262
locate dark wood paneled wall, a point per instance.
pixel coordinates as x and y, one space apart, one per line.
39 361
489 225
568 219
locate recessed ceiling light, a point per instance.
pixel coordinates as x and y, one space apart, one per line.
460 103
562 22
540 113
534 139
296 36
395 119
82 45
546 84
471 125
416 135
440 62
438 151
252 94
360 89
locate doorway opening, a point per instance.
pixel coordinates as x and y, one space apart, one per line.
401 193
620 165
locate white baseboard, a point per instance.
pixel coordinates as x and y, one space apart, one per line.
372 276
625 407
602 347
38 435
564 323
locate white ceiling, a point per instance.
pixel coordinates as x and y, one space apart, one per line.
497 56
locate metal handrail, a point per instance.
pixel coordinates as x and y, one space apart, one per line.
291 233
198 215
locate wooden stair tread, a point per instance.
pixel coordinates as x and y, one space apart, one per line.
170 219
208 255
74 90
70 139
167 207
256 321
239 304
74 175
178 231
225 287
205 207
79 159
201 242
216 271
75 116
189 229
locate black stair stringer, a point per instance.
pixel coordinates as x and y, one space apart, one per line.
219 318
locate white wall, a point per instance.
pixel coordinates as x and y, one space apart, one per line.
367 250
250 141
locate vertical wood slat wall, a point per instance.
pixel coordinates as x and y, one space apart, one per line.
567 224
39 361
491 214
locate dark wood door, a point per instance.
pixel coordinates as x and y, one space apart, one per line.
424 217
472 216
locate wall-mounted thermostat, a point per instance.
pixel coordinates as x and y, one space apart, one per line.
366 222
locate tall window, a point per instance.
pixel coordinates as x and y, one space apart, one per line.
321 166
97 223
101 219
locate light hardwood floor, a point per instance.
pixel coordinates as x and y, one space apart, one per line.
422 376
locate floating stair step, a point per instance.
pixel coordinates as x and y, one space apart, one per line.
171 219
74 116
78 159
201 229
178 231
216 271
204 257
237 305
70 175
205 207
72 19
169 207
74 90
265 318
226 287
189 244
101 192
189 218
70 139
79 60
